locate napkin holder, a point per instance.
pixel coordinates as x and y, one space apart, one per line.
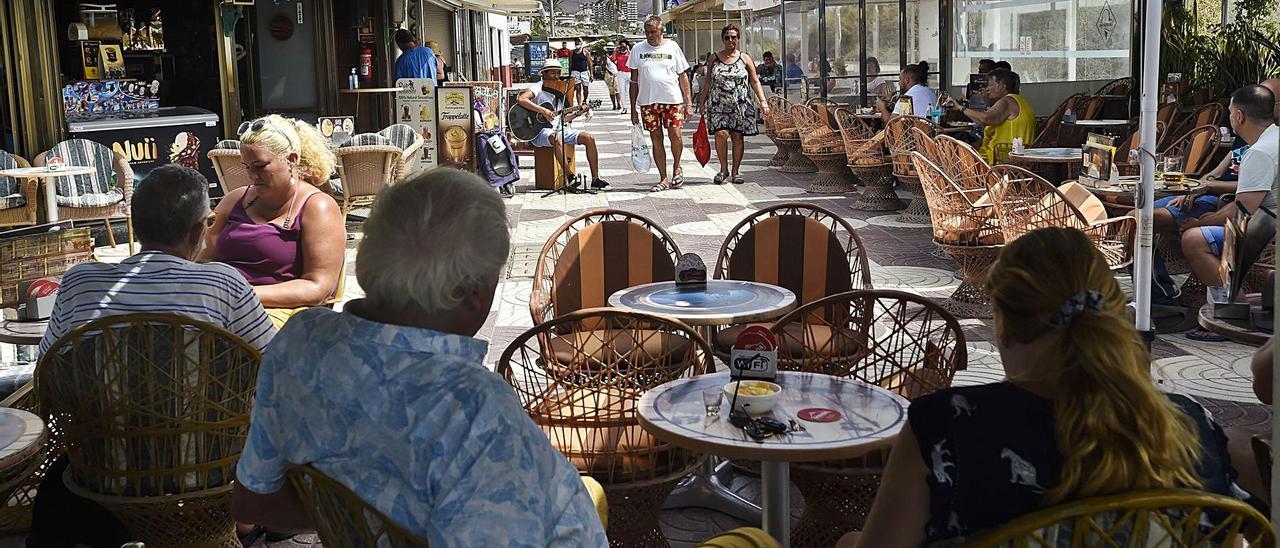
690 270
754 355
38 298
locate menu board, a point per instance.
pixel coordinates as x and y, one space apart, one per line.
416 108
488 102
1098 156
455 126
337 129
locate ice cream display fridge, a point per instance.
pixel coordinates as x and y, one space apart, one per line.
155 137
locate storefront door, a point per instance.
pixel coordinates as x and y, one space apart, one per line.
288 63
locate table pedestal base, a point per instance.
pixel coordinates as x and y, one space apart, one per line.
796 160
877 191
707 488
971 300
917 212
775 483
780 155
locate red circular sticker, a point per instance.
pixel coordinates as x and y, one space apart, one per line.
819 414
756 338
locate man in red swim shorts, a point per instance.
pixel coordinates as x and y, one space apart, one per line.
660 86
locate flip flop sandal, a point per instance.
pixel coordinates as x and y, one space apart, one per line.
661 186
1205 336
737 180
720 178
677 180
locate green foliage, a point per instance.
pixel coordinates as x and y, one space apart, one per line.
1226 57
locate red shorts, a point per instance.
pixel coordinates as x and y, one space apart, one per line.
660 116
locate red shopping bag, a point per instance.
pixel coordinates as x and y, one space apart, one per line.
702 144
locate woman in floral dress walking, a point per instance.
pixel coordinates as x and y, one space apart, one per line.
727 101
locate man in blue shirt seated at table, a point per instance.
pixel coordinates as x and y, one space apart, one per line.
416 61
391 397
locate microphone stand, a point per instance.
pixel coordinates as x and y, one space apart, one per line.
574 185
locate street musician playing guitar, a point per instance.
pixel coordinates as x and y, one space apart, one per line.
548 103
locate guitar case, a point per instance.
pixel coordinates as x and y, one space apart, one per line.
497 160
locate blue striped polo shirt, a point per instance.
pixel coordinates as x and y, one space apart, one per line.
153 281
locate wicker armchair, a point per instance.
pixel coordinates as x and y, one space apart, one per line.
587 407
1087 108
1128 147
576 267
786 245
902 141
410 143
1119 86
18 198
155 410
825 148
15 513
787 136
908 345
778 106
341 518
94 196
1196 149
1024 202
1155 517
966 231
225 157
1212 114
963 165
865 152
1051 129
364 170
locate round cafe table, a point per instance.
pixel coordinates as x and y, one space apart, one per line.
1101 123
1052 163
22 437
1242 331
23 332
706 306
43 172
870 418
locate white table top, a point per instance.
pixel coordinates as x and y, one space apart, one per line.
1110 122
23 332
21 435
1048 154
871 418
43 171
718 302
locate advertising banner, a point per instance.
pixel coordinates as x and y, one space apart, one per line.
489 102
147 148
416 108
337 129
455 127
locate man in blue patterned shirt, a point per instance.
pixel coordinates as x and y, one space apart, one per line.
391 398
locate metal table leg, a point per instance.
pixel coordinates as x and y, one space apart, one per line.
708 488
776 484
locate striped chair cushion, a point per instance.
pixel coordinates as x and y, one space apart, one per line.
795 252
401 135
10 189
603 258
367 139
228 144
93 190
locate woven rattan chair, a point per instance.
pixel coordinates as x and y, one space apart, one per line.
18 197
1167 113
966 231
1130 166
777 104
865 151
1024 202
587 406
155 410
742 537
1087 108
1051 128
787 135
825 148
15 514
1119 86
902 141
1212 114
341 517
95 196
594 255
365 170
963 165
232 174
410 143
1196 149
797 246
908 345
1155 517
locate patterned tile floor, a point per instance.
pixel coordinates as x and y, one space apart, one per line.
700 214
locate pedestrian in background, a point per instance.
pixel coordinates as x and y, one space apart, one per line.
415 61
660 86
621 55
580 68
728 89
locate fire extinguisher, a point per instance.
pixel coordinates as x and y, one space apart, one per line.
366 64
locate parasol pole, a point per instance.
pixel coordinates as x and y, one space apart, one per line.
1145 193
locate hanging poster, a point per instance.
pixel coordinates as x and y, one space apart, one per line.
416 108
454 125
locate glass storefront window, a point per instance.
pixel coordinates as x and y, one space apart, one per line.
1045 41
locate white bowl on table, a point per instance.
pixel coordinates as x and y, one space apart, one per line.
754 404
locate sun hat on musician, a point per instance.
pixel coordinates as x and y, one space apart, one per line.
552 64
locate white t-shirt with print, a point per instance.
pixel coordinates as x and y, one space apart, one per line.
1258 167
660 69
922 99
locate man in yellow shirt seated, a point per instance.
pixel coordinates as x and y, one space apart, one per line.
1009 116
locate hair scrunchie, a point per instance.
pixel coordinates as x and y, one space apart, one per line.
1084 301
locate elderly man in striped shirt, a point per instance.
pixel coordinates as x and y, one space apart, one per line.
170 215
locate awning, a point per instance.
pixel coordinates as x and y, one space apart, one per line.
504 7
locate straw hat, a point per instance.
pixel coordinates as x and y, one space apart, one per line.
551 64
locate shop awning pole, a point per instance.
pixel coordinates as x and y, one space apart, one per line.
1142 265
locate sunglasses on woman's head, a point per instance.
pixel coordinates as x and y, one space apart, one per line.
264 123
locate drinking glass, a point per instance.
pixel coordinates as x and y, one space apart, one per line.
711 399
1172 168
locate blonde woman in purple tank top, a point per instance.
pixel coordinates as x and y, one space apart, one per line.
281 232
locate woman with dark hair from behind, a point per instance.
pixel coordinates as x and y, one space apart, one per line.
1077 415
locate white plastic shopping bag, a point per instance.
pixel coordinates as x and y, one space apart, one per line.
640 159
